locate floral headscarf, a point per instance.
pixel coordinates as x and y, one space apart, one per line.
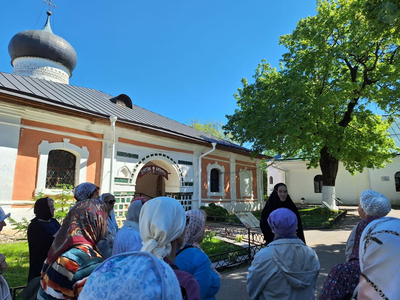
84 190
132 275
84 224
195 229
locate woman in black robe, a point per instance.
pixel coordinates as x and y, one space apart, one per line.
279 198
41 233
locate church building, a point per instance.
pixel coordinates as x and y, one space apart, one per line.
53 133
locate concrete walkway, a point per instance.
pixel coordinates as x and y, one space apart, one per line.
329 244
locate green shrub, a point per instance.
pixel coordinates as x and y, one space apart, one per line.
214 210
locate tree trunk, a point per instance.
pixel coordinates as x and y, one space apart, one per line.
329 166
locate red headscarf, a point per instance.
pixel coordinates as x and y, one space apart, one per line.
84 224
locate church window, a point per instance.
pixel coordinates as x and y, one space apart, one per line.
214 181
397 181
271 180
318 184
60 169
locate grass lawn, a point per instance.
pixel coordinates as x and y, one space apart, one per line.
216 246
17 258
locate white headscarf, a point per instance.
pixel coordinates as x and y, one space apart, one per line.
161 221
132 217
374 203
379 261
132 275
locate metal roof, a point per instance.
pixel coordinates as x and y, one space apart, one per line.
94 102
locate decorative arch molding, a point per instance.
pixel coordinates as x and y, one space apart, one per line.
246 183
221 170
124 172
157 156
82 155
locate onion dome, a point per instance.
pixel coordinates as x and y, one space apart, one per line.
43 44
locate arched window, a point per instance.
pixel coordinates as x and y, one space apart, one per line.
214 181
271 180
397 181
318 184
60 169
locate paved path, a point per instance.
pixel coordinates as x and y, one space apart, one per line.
329 244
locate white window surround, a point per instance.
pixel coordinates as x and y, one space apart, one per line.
82 155
221 170
246 183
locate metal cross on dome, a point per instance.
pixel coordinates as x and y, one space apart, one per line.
51 5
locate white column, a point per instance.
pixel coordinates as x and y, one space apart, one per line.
9 140
233 177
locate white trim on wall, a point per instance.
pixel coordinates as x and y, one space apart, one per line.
82 155
221 170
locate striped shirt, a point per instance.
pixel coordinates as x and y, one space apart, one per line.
68 274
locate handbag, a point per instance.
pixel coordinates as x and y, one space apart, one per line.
31 290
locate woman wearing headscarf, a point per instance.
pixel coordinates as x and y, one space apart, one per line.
128 237
279 198
41 233
162 224
107 243
192 259
379 260
343 278
287 268
74 254
133 275
86 190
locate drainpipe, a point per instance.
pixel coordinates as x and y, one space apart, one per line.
213 145
113 120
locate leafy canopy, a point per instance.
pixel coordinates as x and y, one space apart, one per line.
211 127
338 62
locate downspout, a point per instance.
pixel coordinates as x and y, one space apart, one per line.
113 120
213 145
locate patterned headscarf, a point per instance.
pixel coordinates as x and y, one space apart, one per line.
84 224
374 203
379 250
195 229
161 221
84 190
42 209
132 275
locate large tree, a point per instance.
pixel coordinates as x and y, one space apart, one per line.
316 106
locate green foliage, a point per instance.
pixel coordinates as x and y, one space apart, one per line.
238 238
216 246
212 127
232 256
214 210
208 236
318 217
337 63
63 202
20 227
17 258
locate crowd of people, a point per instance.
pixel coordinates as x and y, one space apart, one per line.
157 252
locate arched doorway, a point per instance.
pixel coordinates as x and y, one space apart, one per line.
156 178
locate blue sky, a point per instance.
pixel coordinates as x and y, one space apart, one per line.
180 59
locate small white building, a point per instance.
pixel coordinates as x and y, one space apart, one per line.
307 184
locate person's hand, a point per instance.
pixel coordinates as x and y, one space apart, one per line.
3 263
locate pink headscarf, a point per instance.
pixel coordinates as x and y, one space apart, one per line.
195 229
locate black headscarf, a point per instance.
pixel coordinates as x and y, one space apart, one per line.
273 203
42 209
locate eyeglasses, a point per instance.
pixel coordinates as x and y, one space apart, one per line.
110 202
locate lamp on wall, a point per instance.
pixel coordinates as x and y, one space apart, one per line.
302 200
